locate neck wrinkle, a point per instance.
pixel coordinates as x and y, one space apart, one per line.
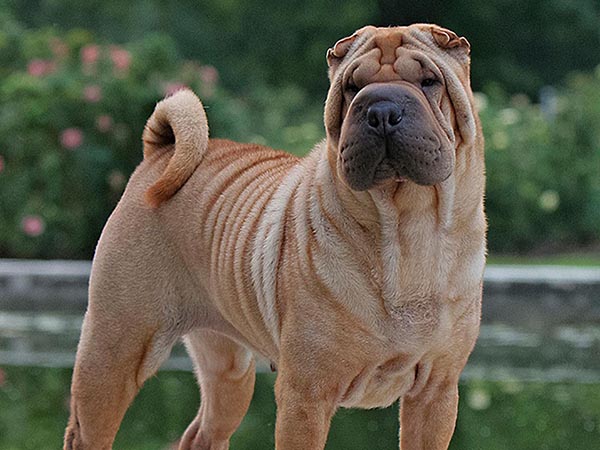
356 213
389 247
357 206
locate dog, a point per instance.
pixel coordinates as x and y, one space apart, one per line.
356 270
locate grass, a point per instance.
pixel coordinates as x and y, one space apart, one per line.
567 259
492 416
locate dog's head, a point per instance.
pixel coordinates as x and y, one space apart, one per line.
398 106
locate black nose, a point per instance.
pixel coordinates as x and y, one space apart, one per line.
384 116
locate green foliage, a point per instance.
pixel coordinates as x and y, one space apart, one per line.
70 120
522 45
250 42
542 168
73 111
492 415
74 107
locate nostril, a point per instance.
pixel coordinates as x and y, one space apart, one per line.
395 117
384 114
373 117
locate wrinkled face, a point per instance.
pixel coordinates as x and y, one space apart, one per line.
391 115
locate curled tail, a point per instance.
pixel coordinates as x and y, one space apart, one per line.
177 121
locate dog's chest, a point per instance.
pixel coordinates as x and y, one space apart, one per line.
412 334
381 384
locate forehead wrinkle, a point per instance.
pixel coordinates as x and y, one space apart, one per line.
388 56
387 44
427 64
407 66
366 68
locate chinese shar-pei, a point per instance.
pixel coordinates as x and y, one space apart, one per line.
356 270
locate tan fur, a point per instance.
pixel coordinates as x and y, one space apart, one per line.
179 121
360 298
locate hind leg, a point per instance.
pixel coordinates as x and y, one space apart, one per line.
226 373
120 347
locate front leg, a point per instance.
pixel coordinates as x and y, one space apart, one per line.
305 406
427 419
428 412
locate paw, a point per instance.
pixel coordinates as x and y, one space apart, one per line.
195 438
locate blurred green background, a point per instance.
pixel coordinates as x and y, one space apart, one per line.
508 415
78 80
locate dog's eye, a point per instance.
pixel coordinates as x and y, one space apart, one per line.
428 82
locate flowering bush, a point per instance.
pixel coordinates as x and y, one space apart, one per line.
72 116
73 111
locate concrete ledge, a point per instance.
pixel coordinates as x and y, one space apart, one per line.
559 275
541 296
55 285
533 296
539 323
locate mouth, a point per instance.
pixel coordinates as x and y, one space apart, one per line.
390 135
367 166
389 171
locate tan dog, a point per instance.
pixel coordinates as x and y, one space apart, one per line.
357 270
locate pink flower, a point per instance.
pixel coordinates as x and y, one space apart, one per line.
71 138
33 225
90 54
40 67
92 93
36 68
104 123
171 87
121 58
209 75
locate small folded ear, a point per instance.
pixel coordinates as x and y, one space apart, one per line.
339 50
449 39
